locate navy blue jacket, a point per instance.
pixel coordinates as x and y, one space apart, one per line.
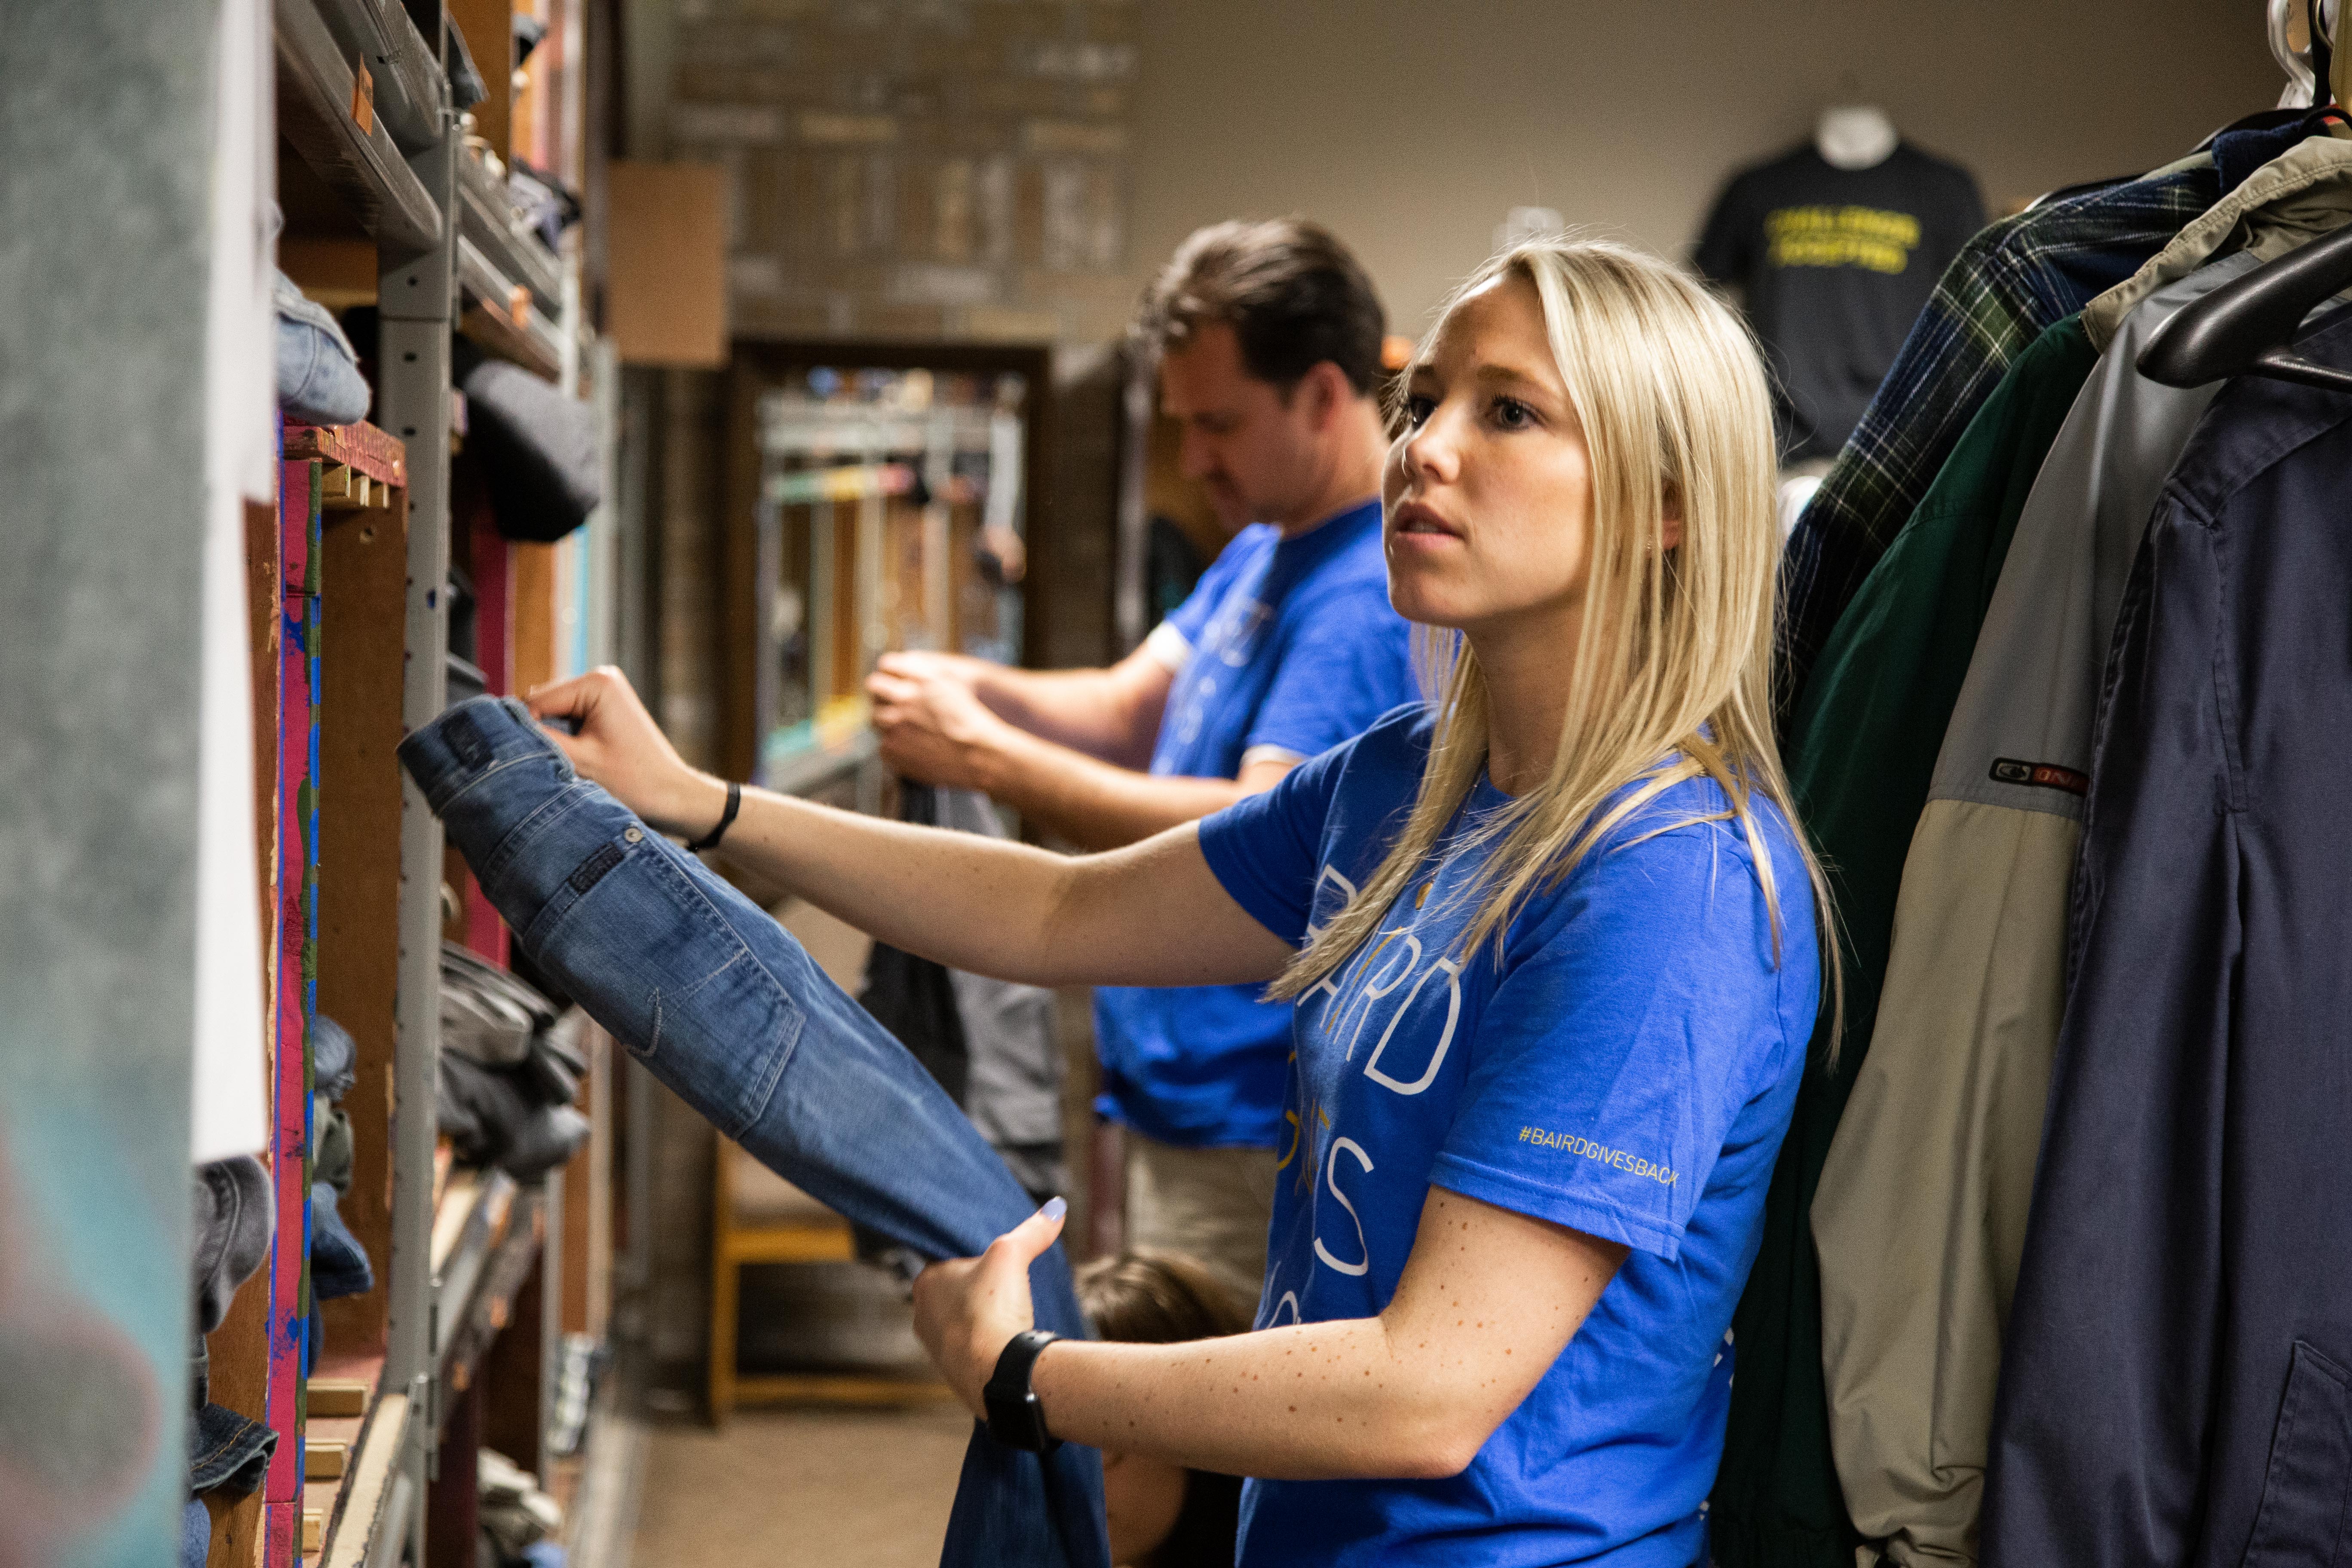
2174 1389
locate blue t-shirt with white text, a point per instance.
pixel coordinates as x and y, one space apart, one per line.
1626 1069
1285 648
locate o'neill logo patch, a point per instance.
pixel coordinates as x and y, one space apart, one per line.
2042 775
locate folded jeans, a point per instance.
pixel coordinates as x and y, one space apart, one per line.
319 380
339 1264
227 1452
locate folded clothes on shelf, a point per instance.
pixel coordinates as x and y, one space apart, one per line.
226 1452
515 1513
339 1264
467 87
334 1058
319 380
510 1068
492 1117
195 1534
488 1014
537 448
232 1232
331 1145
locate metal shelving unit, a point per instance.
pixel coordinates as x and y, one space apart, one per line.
363 102
326 115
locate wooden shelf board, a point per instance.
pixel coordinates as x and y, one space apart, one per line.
378 454
345 1436
837 1388
460 1193
476 1297
485 220
357 1508
792 1244
495 333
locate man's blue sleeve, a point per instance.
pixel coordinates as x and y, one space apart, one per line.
1192 618
1343 663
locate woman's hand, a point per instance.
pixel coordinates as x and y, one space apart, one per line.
621 747
931 723
967 1309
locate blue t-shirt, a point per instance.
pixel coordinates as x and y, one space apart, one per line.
1285 647
1626 1069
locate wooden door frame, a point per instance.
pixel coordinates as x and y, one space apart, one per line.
755 363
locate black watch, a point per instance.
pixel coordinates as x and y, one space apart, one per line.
1014 1417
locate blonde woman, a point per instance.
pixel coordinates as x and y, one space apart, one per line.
1552 942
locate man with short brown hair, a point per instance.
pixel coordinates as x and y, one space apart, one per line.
1268 341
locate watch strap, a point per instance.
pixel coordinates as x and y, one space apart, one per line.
1015 1418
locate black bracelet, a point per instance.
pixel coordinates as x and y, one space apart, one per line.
734 804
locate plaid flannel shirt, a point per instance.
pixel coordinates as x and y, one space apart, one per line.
2016 278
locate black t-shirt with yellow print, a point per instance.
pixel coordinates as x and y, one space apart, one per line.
1834 265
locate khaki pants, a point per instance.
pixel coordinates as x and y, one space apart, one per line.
1213 1203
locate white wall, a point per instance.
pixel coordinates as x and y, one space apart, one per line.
1411 126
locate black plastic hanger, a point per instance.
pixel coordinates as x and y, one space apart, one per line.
2248 327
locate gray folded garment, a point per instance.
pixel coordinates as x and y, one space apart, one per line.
494 1118
232 1224
487 1015
334 1058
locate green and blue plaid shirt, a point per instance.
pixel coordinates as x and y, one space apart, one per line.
2015 279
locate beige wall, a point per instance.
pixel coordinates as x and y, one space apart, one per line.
1412 126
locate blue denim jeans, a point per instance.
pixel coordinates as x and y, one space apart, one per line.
719 1003
339 1264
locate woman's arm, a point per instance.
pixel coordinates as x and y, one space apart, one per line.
1488 1299
1151 914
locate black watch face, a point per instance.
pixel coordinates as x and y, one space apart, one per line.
1018 1423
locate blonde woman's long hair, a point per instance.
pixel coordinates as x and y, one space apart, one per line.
1673 663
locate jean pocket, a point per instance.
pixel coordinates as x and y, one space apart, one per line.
2309 1481
653 959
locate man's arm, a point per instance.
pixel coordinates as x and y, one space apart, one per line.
1098 806
936 728
1110 714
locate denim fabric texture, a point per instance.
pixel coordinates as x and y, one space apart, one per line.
339 1264
226 1452
319 380
719 1002
195 1534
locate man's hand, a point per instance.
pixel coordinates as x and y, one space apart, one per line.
932 727
621 747
967 1309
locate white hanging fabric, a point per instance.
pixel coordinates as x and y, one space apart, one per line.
230 1110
